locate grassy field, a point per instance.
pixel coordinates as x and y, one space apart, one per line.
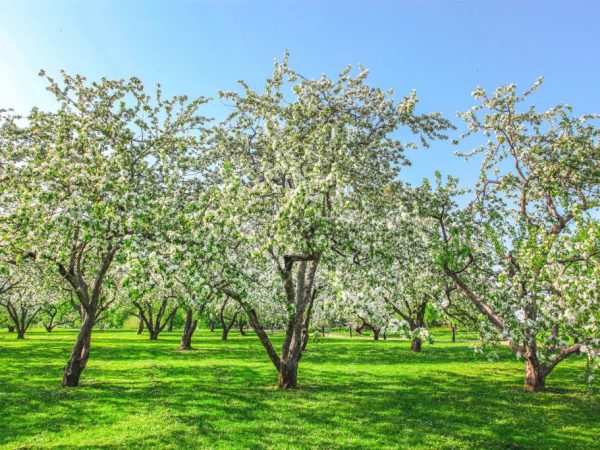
355 393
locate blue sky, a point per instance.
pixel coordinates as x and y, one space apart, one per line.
443 49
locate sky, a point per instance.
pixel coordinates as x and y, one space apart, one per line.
441 48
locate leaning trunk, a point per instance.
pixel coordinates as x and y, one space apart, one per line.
79 354
189 327
140 329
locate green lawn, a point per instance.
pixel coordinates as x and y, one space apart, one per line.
355 393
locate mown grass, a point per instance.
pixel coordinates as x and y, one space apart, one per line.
355 393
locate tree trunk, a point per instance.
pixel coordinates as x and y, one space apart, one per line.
79 354
453 328
211 326
154 335
288 375
350 330
11 329
225 333
170 328
189 327
535 376
375 334
242 332
20 333
416 345
304 338
140 329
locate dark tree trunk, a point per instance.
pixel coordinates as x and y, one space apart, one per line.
21 317
189 327
155 325
170 328
242 332
453 328
211 326
288 375
350 330
375 334
140 329
52 312
304 338
226 326
11 328
416 345
298 294
225 333
535 376
79 354
384 336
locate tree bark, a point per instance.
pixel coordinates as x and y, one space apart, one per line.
298 294
416 345
225 333
79 354
189 327
288 375
242 332
375 334
535 375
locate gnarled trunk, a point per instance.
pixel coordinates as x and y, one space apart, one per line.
298 294
79 354
535 375
288 375
189 327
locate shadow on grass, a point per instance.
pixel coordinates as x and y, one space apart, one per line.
355 393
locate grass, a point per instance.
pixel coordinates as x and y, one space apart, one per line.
355 393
